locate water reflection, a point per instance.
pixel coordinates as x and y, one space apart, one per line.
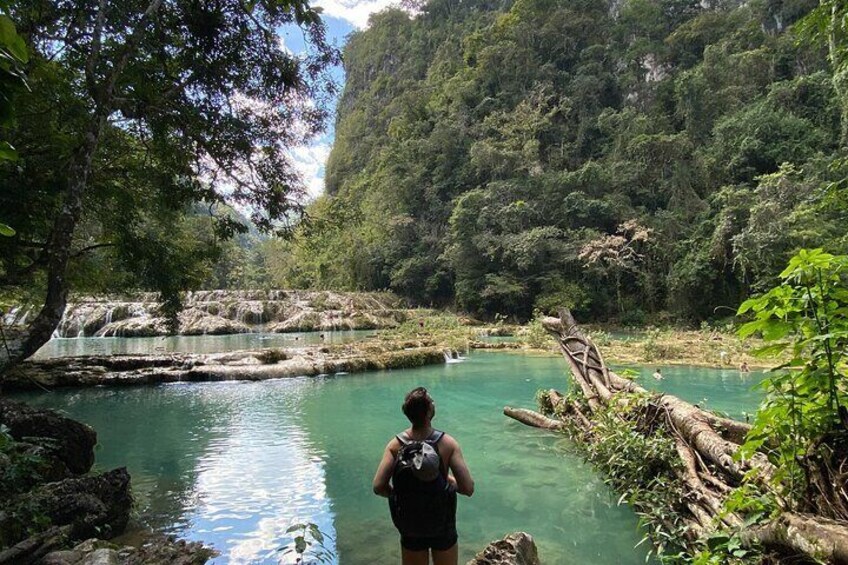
260 479
225 463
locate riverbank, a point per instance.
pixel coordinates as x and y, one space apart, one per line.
54 507
708 347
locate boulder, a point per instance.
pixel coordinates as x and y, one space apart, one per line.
515 549
102 557
96 505
72 442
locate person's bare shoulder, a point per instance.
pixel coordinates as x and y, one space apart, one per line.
393 445
450 443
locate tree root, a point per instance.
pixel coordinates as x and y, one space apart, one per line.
707 445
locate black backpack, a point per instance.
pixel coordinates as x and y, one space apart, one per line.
421 508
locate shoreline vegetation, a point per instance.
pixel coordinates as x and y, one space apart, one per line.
703 494
708 346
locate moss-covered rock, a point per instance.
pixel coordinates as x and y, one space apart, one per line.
71 442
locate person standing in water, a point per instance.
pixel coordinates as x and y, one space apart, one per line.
658 375
421 472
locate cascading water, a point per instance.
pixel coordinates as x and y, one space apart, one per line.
231 312
452 356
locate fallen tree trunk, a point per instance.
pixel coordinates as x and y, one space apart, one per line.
707 446
805 534
534 419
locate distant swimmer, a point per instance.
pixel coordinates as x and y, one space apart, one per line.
658 375
744 368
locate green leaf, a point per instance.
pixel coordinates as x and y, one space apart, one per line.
7 152
717 541
11 41
750 328
776 329
316 533
7 231
771 350
747 305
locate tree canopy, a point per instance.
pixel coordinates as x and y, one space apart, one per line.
483 148
145 122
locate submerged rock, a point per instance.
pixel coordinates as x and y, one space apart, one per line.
156 550
515 549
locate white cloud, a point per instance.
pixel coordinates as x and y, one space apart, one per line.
311 161
283 45
354 11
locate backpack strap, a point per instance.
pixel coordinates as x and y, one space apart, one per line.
435 437
403 438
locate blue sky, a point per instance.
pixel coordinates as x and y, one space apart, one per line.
341 17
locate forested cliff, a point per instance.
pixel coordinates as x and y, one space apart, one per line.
630 159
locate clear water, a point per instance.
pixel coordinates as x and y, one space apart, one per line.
235 464
727 391
76 346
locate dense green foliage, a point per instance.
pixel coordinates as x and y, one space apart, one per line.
806 317
626 159
144 124
13 55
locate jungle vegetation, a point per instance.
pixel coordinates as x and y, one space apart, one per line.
634 160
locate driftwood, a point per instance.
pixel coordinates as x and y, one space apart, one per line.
707 445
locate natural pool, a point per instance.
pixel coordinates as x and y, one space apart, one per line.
75 346
235 464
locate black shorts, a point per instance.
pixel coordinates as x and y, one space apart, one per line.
438 543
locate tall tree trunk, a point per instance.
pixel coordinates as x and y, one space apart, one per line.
58 250
59 243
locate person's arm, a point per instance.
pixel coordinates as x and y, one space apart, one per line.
384 472
461 474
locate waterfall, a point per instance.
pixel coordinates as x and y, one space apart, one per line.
10 316
23 319
272 310
452 356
